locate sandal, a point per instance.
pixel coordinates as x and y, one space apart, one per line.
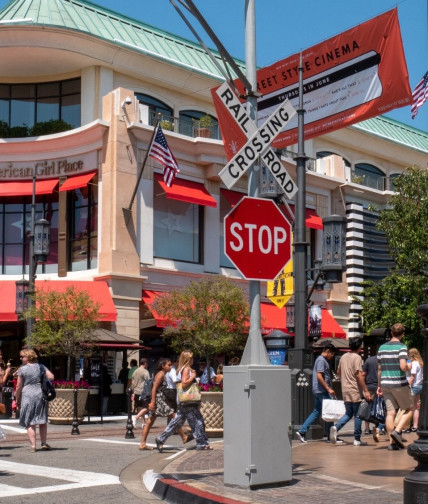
159 445
204 447
33 449
145 447
46 447
189 437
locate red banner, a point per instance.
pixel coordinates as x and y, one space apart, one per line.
358 74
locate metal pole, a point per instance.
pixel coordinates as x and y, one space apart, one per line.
75 425
300 244
255 351
32 265
129 427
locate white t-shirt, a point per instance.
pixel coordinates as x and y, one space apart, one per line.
171 378
417 371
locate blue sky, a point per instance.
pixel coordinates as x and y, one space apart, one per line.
284 28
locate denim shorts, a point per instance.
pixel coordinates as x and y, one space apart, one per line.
417 389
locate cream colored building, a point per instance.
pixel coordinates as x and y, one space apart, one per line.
108 76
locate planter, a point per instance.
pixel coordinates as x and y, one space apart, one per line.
204 132
212 412
61 409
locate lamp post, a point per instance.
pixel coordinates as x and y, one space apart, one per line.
39 240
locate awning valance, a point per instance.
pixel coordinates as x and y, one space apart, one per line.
330 328
312 219
272 318
97 290
149 297
233 197
188 191
77 182
25 187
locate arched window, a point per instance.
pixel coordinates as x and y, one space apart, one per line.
150 107
369 176
323 154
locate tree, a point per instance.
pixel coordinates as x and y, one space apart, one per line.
64 323
208 317
405 224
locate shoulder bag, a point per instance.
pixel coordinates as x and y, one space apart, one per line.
48 390
188 395
364 410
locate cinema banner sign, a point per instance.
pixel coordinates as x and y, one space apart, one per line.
358 74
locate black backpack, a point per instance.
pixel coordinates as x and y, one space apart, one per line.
146 394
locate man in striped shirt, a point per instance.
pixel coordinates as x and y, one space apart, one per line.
393 385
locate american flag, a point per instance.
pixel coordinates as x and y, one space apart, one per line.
419 95
160 151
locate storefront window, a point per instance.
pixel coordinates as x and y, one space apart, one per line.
177 230
83 238
225 208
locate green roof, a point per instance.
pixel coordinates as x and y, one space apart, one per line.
113 27
397 132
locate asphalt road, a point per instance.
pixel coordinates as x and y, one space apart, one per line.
77 470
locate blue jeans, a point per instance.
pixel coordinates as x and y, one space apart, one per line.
351 411
316 414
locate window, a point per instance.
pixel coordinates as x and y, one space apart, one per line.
189 119
27 104
151 107
323 154
83 227
225 208
15 227
177 229
369 176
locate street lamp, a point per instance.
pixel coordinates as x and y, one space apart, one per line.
38 253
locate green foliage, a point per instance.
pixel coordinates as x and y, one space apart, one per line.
208 317
166 125
64 323
405 221
394 299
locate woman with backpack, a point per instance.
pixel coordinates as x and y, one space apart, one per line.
186 411
159 405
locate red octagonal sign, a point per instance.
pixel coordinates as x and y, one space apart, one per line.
257 238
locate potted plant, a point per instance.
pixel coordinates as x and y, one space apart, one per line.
208 317
61 409
203 126
166 125
212 409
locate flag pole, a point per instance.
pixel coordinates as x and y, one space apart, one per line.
129 208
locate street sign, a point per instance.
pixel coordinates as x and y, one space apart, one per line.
249 128
257 144
257 238
280 290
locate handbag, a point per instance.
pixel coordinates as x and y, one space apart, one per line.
2 409
48 390
188 395
332 409
378 410
365 410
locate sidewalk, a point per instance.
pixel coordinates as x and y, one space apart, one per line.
322 473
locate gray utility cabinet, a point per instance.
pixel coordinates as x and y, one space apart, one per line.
257 416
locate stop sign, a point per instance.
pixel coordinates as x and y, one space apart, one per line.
257 238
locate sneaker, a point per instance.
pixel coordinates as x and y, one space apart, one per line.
159 445
397 438
376 437
358 442
301 437
134 421
414 429
393 447
339 441
333 434
382 432
367 432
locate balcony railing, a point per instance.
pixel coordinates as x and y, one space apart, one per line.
189 127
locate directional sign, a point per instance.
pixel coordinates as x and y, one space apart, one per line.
238 112
257 238
257 144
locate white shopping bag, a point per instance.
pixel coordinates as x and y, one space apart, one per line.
332 410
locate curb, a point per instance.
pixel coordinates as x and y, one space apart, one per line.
170 490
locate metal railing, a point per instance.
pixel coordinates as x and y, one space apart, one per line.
189 127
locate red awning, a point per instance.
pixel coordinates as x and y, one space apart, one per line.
25 187
329 326
149 297
98 291
188 191
272 318
233 197
312 219
77 182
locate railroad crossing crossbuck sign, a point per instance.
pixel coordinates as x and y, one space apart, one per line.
258 143
257 238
